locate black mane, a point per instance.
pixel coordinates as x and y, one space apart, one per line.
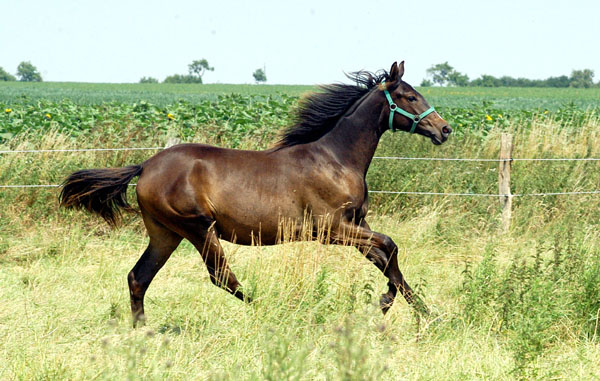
318 113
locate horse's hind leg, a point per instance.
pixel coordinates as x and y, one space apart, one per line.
383 253
207 243
162 243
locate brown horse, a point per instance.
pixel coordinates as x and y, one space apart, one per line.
315 173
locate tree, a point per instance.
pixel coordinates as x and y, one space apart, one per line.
182 78
6 76
198 67
259 75
562 81
426 83
196 70
28 73
440 72
582 78
148 80
486 81
443 74
458 79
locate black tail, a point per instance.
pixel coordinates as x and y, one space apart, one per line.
100 191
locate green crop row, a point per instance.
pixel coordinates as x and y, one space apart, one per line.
164 94
233 118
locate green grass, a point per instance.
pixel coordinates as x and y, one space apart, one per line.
520 305
65 312
251 112
163 94
512 98
160 94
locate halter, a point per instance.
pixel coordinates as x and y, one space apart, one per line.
395 108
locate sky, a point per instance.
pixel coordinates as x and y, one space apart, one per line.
298 42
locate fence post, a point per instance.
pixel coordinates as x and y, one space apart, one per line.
506 148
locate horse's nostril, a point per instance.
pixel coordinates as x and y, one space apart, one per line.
446 130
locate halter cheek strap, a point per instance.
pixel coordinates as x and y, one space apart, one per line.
395 109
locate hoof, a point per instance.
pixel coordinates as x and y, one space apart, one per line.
385 303
139 320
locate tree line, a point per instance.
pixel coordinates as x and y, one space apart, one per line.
444 74
196 71
26 72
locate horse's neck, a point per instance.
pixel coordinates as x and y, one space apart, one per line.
354 139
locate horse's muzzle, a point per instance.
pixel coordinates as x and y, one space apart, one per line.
446 131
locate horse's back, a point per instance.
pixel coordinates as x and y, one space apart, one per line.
241 192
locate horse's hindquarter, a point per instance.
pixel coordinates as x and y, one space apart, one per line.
246 193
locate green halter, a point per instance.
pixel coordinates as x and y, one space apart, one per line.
394 108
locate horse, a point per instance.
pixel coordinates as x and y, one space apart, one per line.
315 172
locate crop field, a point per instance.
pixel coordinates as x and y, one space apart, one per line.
164 94
522 304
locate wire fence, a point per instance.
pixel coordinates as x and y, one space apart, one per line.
34 151
81 150
374 157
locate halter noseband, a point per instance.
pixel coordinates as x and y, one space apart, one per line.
394 108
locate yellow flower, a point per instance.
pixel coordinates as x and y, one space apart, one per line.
48 116
500 116
8 110
487 117
545 111
170 116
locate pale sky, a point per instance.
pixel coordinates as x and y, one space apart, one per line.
299 42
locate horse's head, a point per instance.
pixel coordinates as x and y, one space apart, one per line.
409 111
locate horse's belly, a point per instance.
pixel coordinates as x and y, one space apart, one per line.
258 230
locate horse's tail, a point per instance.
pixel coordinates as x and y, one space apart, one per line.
100 191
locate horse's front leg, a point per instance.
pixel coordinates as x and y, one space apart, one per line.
383 253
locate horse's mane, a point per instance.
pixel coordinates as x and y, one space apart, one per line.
319 112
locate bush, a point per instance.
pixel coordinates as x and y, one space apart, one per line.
5 76
148 80
532 299
182 78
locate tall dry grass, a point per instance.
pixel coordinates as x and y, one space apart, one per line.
512 306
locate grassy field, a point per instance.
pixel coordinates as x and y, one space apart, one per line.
520 305
164 94
159 93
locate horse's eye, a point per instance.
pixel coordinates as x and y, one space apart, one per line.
412 99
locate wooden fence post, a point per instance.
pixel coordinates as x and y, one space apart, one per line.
506 148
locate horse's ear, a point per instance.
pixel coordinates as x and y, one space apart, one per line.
396 71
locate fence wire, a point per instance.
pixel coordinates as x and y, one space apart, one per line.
17 186
377 191
375 157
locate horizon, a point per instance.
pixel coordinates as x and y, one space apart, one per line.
160 82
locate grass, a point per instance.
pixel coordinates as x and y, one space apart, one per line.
66 310
521 305
315 317
512 98
160 94
507 98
